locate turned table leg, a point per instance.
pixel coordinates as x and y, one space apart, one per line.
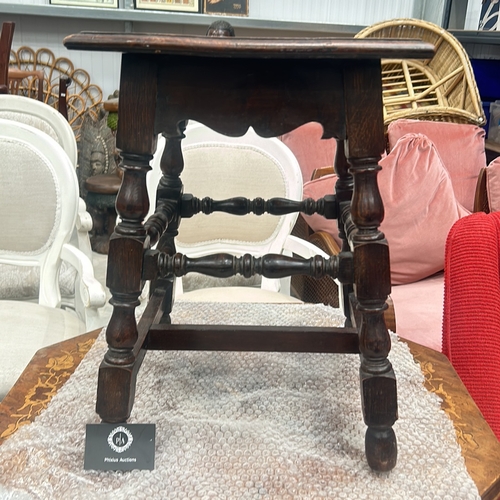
343 191
136 142
372 283
116 384
372 286
168 195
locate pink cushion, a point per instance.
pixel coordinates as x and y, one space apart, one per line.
420 207
493 184
460 146
311 152
415 319
316 189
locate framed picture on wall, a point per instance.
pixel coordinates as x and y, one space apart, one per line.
173 5
110 4
226 7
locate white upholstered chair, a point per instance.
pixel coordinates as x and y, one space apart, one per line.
38 207
45 118
48 120
222 167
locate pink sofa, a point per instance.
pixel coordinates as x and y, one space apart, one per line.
427 183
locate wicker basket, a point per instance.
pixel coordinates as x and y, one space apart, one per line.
441 89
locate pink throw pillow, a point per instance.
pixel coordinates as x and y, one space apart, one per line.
311 151
493 184
316 189
460 146
420 208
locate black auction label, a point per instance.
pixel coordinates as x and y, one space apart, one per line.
119 447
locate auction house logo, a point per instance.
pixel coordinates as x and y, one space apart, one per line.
120 439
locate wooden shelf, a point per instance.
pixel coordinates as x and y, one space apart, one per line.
184 18
478 36
150 16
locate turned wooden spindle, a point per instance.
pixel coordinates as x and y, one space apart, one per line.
326 206
127 241
224 265
343 190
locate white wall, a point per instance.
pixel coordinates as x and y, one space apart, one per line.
473 15
357 12
432 10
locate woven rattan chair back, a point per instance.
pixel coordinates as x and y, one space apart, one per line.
442 88
81 95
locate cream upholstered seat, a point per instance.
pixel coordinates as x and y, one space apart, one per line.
222 167
39 205
23 284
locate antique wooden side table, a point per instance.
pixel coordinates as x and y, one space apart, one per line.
273 85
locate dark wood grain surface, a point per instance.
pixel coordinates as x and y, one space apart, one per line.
480 447
317 47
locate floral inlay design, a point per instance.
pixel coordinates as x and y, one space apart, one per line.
57 371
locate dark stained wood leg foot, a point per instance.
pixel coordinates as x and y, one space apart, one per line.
381 448
116 384
115 406
378 392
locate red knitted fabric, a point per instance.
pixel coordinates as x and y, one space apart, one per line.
471 319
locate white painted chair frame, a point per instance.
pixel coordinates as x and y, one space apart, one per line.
196 181
89 293
48 120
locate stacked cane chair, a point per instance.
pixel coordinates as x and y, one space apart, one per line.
442 88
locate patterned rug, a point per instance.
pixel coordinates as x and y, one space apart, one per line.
243 426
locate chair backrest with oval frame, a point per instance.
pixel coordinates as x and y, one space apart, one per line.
221 167
34 115
39 205
50 121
